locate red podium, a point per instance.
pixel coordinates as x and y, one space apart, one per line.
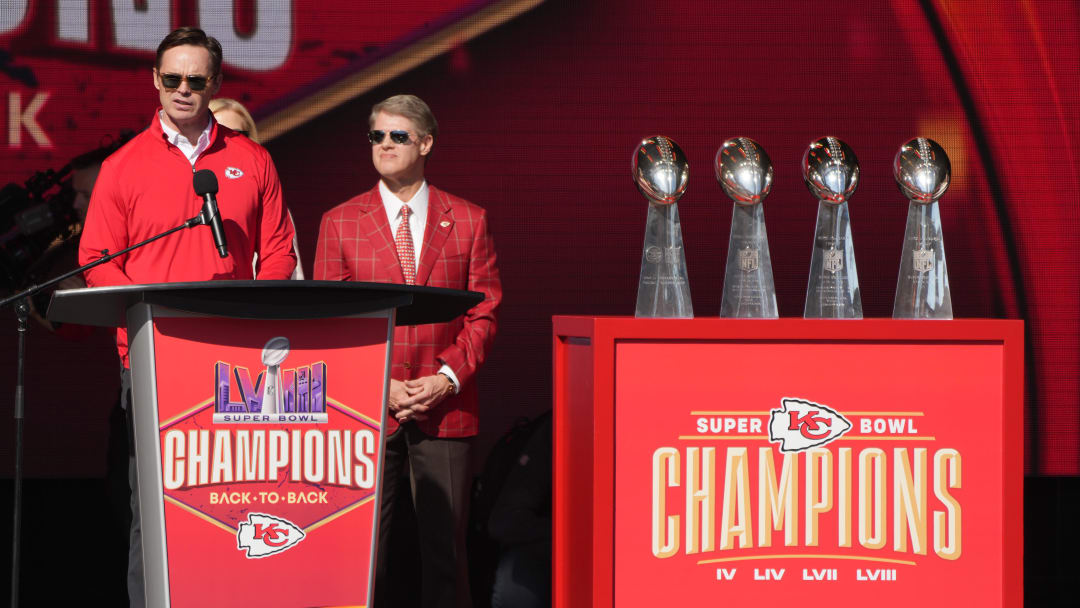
259 409
788 462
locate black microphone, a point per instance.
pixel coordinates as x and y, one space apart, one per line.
206 187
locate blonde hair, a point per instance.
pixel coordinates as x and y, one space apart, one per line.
224 104
411 107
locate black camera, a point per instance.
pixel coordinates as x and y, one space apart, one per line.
34 218
39 223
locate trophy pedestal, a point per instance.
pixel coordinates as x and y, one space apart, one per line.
749 291
663 287
922 287
833 289
651 478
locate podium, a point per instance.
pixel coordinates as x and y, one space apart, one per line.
787 462
259 408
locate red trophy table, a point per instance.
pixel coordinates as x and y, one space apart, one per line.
746 462
259 409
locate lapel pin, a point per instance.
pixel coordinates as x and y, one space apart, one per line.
444 223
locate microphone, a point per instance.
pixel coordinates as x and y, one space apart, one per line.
206 186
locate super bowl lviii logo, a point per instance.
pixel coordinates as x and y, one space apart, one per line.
275 395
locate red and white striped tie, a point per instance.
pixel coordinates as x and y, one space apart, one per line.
403 241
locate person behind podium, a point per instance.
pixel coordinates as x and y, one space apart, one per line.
146 188
63 253
405 230
231 113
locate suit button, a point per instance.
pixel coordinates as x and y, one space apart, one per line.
408 365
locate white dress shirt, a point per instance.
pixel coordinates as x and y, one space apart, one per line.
190 150
418 204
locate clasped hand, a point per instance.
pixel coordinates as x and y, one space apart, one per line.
413 399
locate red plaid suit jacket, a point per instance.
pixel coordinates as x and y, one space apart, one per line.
355 244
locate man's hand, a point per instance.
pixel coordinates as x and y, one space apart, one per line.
73 282
424 394
34 314
397 395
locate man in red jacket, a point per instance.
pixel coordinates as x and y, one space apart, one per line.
406 231
146 188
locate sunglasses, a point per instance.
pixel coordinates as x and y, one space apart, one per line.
376 137
172 81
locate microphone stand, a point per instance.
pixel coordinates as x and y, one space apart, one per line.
21 301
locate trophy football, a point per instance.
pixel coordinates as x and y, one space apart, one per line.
661 173
831 172
922 172
746 173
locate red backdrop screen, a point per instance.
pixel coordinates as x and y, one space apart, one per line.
540 105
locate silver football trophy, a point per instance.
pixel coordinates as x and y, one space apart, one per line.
922 172
661 173
746 173
273 354
831 172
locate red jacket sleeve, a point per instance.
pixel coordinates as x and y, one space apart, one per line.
475 338
105 228
275 240
329 261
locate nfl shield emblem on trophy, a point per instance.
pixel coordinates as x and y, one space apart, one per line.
748 260
922 260
833 260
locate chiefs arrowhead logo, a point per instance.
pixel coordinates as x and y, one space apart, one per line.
264 535
233 173
800 425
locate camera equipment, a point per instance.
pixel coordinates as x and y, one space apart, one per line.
32 218
38 222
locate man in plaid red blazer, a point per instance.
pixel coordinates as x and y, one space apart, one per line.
407 231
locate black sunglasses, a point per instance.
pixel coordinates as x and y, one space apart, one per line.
376 137
172 81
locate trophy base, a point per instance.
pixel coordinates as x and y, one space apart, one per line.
922 286
832 292
749 290
663 286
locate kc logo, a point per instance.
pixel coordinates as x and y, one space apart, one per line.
800 425
807 423
264 535
273 535
233 173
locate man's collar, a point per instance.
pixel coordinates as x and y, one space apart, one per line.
174 136
393 203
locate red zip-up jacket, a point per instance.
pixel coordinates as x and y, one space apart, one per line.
146 187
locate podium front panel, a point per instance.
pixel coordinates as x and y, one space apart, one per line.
775 462
259 451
